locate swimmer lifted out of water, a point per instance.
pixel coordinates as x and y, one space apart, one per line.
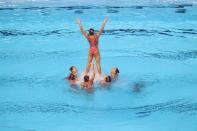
93 41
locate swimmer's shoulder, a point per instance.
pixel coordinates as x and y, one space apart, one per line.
92 37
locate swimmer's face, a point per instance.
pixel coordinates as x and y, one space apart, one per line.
113 71
74 70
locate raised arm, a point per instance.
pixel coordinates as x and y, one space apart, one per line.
102 27
81 27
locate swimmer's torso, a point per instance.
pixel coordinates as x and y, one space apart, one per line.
93 41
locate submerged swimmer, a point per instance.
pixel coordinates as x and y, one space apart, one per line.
114 73
106 81
88 83
72 78
93 41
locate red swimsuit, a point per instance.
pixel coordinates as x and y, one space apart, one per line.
93 48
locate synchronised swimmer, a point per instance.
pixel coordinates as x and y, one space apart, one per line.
93 41
88 81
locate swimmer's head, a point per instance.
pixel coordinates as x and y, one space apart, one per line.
86 78
73 69
115 71
108 79
91 31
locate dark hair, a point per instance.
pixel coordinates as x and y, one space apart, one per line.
91 31
86 78
108 79
117 71
71 77
71 68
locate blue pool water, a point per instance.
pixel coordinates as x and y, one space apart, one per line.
153 43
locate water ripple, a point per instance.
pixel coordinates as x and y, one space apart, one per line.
5 55
177 106
29 80
98 7
166 55
59 32
116 32
181 55
163 55
145 32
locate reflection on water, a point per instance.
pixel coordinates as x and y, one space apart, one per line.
138 86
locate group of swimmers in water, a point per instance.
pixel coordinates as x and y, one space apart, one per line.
93 53
88 82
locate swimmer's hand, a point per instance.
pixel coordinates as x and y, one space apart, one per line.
78 21
105 20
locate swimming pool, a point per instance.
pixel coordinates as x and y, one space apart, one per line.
152 43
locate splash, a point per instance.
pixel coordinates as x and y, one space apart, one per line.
96 79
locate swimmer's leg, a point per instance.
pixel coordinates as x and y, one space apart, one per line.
90 57
97 58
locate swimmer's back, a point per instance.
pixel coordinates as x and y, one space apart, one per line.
93 40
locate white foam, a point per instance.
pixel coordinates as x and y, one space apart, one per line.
97 78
